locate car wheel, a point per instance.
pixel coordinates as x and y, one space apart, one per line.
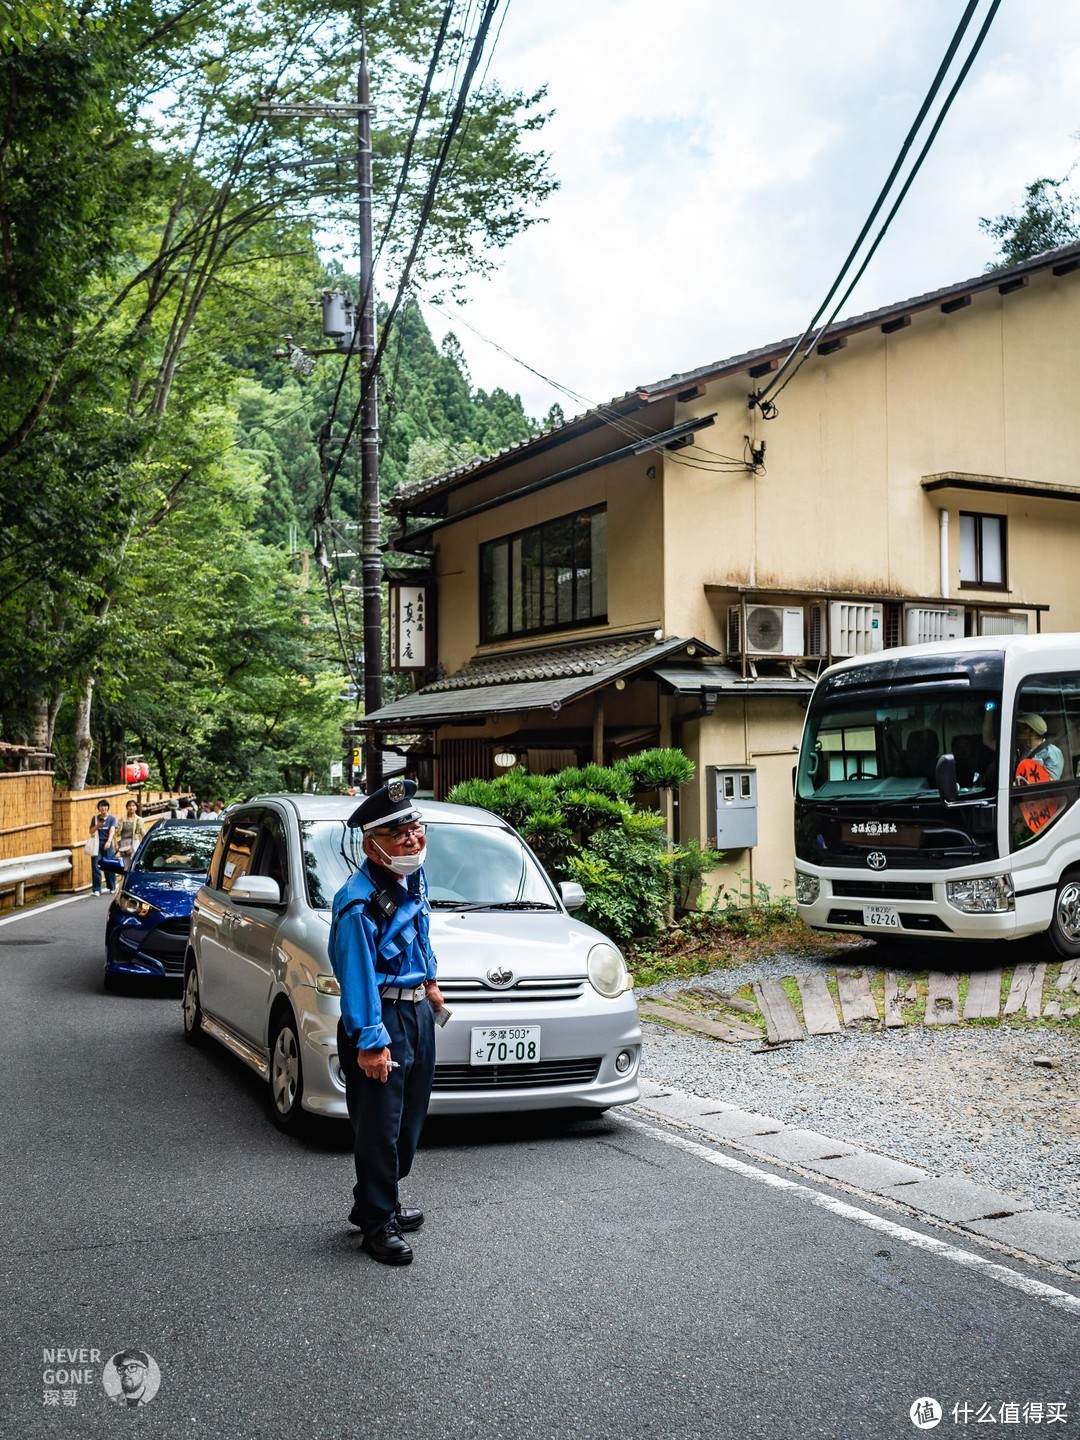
286 1074
1064 929
193 1031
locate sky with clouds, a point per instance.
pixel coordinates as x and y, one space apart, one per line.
717 160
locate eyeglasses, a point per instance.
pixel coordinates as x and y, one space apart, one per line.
410 832
131 1365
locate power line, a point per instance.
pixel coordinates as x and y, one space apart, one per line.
903 192
761 396
372 370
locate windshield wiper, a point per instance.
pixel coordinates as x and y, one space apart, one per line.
491 905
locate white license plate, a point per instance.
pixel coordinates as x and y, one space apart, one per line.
884 916
505 1045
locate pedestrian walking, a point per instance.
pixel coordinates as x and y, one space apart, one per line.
129 832
381 955
103 827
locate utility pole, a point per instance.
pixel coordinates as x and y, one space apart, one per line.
371 524
371 561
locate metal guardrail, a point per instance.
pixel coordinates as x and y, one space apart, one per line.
15 873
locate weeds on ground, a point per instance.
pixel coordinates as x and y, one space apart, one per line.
734 927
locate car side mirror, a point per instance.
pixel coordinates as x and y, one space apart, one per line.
573 896
256 890
112 865
945 778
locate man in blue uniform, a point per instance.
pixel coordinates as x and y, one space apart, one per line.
381 955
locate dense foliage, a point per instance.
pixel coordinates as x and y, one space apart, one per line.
584 826
159 469
1048 217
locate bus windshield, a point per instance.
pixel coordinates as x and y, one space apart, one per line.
885 745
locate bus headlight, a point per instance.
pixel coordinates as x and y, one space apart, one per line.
807 888
989 895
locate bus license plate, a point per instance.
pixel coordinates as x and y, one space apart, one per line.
881 916
505 1045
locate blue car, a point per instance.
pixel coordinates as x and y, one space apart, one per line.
146 933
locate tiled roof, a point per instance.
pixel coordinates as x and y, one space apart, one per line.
554 663
408 495
543 679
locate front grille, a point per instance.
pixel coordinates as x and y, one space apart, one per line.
545 1073
167 942
884 889
540 988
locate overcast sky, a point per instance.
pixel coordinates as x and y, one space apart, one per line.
717 159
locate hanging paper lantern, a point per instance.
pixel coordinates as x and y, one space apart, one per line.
144 771
131 773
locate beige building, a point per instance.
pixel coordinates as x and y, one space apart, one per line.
678 566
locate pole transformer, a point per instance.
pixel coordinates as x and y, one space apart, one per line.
371 559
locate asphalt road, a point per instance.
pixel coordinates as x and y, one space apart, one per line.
585 1280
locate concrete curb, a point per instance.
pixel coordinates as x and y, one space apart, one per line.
1039 1235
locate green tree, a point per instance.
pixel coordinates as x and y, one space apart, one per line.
1048 217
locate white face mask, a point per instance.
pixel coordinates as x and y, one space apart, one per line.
403 864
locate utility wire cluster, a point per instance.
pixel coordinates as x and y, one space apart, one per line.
765 398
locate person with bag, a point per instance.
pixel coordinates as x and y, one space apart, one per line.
131 831
102 831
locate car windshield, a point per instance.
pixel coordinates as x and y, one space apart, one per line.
887 747
467 866
172 849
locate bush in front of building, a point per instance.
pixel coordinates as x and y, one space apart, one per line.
583 826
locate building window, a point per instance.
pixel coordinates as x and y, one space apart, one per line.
550 577
982 551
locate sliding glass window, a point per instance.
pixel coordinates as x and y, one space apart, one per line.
550 577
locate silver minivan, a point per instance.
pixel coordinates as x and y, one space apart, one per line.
543 1014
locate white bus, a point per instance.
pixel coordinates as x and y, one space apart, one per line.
936 792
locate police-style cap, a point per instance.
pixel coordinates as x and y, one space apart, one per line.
390 805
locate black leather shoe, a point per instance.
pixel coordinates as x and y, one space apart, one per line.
408 1218
387 1246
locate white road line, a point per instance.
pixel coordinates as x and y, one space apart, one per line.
40 909
1035 1289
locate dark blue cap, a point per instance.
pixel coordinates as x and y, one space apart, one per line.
389 806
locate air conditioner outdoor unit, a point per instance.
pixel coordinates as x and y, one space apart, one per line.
770 630
855 628
1003 624
925 623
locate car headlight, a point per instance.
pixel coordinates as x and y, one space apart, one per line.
608 974
807 888
132 905
989 895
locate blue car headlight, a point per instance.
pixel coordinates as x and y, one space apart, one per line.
132 905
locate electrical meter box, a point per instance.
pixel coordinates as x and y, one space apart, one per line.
733 806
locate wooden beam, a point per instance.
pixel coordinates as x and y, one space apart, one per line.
764 368
598 729
956 303
900 323
695 392
827 347
1016 283
1066 267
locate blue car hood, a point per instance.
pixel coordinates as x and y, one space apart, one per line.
173 893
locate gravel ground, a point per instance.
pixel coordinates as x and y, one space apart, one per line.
954 1100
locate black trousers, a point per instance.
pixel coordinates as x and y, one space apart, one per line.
387 1118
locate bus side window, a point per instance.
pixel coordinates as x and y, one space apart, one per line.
1070 739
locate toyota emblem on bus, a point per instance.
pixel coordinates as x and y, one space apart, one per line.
876 860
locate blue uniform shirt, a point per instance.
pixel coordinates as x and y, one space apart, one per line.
368 952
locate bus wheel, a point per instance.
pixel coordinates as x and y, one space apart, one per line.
1064 929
